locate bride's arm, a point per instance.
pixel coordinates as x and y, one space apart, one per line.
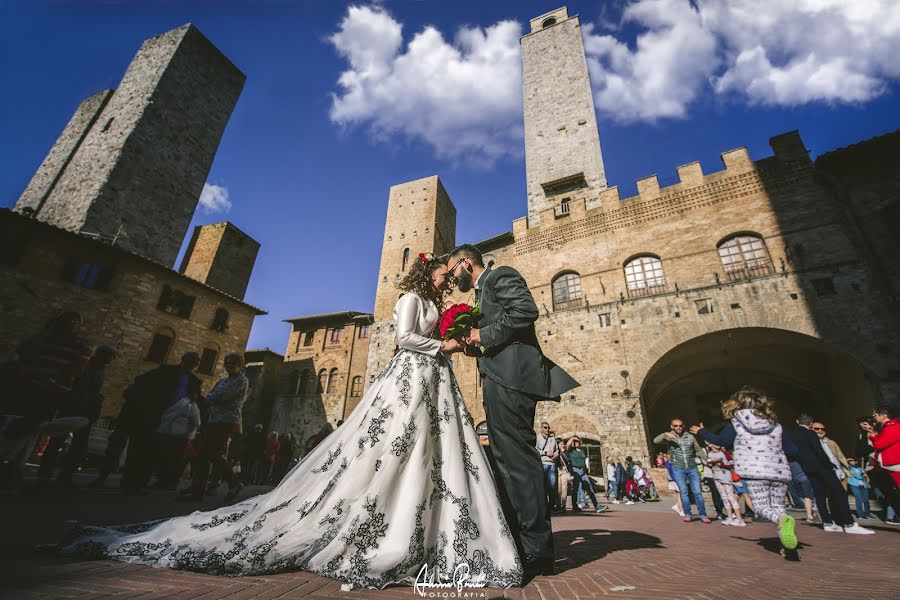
407 315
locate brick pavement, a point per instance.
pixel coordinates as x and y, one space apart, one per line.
629 552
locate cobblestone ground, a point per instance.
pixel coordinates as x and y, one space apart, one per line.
642 551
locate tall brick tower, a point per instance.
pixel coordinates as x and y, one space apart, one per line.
562 144
420 218
134 160
222 256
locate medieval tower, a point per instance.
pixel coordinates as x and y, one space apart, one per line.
420 218
221 256
563 162
131 163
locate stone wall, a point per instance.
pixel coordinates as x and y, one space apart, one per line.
221 256
36 285
562 145
142 164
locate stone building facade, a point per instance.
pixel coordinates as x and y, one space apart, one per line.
323 375
263 368
150 313
779 273
142 149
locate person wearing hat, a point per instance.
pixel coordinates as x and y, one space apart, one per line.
145 402
85 400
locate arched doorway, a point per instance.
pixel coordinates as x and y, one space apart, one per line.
802 373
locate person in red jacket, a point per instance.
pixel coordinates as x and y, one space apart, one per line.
886 442
272 448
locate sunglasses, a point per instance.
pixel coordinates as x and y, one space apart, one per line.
818 429
677 426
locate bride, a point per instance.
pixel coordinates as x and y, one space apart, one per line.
403 488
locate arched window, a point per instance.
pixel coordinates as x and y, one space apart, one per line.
332 380
356 387
220 320
405 259
548 22
745 256
323 381
567 291
305 382
644 276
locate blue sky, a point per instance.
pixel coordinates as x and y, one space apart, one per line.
406 89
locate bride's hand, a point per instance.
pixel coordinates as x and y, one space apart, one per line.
451 346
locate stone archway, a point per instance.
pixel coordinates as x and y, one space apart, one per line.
803 373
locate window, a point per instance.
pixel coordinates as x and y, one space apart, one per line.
644 276
563 208
336 334
704 306
175 302
308 338
160 347
208 361
356 387
405 259
323 381
305 381
88 273
220 320
363 332
549 22
745 256
605 320
332 380
824 286
567 291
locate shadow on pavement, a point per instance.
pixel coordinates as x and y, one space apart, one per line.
596 544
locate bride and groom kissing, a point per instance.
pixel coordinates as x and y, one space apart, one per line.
404 485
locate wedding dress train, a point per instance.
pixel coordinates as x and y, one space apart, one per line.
402 484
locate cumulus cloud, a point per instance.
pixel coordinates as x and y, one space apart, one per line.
461 97
762 52
214 199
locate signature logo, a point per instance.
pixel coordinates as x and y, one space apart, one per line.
425 580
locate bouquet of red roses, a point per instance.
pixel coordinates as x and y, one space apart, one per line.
458 319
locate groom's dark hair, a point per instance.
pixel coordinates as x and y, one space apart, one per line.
469 251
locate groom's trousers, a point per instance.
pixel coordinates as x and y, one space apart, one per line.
517 466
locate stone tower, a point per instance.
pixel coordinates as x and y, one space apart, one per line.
221 256
562 144
420 218
136 158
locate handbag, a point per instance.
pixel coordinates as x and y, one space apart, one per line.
735 477
176 421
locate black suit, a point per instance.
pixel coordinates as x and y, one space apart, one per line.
825 484
515 375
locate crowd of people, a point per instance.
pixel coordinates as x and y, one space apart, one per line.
167 429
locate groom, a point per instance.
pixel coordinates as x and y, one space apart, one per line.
515 375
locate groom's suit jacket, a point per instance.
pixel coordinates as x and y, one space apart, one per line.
512 355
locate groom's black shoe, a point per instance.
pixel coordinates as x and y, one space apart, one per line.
535 566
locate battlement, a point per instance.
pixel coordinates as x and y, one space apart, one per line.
788 152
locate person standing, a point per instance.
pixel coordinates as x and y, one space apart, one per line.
284 457
85 400
224 403
578 458
884 437
145 402
565 476
826 486
834 452
858 483
683 451
545 444
611 487
515 376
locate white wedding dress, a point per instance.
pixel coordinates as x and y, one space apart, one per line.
401 484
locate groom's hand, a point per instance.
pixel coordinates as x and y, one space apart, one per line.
474 337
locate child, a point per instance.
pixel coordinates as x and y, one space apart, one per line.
720 464
760 456
673 487
858 484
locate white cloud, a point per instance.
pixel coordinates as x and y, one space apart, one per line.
463 98
214 199
762 52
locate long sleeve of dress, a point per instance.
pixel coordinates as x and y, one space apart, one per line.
407 314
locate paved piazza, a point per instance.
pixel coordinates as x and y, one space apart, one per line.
641 551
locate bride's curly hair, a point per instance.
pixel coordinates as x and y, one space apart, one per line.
418 280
